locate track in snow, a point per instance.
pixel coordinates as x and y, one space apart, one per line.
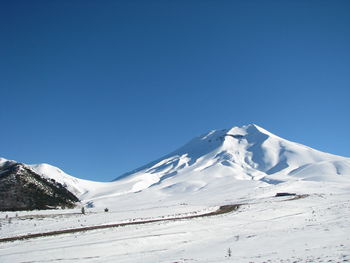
222 210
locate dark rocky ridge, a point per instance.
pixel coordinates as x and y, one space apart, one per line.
23 189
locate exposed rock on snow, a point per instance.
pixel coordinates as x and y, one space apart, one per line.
23 189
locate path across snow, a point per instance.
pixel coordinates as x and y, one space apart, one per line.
271 229
222 210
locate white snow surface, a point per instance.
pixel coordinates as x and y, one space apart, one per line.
214 163
243 165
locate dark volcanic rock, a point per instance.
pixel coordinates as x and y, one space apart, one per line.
23 189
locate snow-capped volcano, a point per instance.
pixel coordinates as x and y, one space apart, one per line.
217 162
241 153
166 203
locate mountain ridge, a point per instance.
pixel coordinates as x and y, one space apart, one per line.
218 159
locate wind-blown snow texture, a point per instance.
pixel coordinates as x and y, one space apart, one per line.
246 165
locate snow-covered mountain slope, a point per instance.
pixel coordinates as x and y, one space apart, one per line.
242 165
239 153
214 164
75 185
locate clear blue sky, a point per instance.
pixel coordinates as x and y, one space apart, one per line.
99 88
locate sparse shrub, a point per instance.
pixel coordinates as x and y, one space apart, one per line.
106 210
229 252
83 210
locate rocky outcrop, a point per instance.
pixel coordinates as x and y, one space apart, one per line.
23 189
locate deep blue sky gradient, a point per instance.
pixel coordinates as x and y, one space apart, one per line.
99 88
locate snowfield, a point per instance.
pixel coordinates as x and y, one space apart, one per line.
245 165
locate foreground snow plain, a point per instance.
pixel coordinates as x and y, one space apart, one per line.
315 228
242 165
